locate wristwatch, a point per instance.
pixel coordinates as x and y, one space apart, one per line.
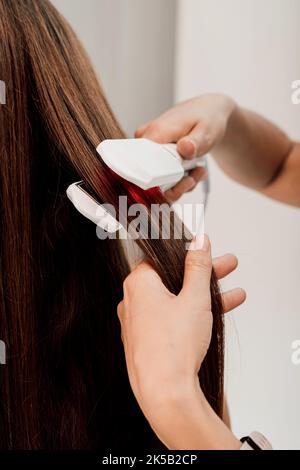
255 441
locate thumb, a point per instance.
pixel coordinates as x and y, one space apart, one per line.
198 142
198 268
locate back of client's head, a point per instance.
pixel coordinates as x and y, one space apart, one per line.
65 383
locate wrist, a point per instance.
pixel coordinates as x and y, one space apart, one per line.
183 419
168 393
234 120
230 106
231 113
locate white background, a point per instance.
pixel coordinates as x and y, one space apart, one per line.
149 53
131 44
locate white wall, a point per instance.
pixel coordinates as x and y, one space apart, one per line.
250 50
131 44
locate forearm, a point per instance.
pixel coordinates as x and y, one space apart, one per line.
187 422
253 150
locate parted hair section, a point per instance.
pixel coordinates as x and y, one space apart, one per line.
64 384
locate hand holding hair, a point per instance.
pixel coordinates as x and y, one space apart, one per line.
166 338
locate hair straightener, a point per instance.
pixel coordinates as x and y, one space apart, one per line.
144 163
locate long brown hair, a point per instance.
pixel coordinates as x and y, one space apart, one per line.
65 383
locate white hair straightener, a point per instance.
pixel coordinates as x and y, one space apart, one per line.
144 163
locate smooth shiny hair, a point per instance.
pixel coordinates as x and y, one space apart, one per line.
65 383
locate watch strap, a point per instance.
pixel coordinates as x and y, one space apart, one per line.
255 441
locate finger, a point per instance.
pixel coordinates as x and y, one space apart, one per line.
224 265
143 278
120 309
199 174
120 312
140 130
198 142
185 184
233 298
162 132
167 128
197 272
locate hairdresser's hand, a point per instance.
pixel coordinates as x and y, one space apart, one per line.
197 125
166 337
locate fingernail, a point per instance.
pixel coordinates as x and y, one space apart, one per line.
193 149
205 243
199 242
